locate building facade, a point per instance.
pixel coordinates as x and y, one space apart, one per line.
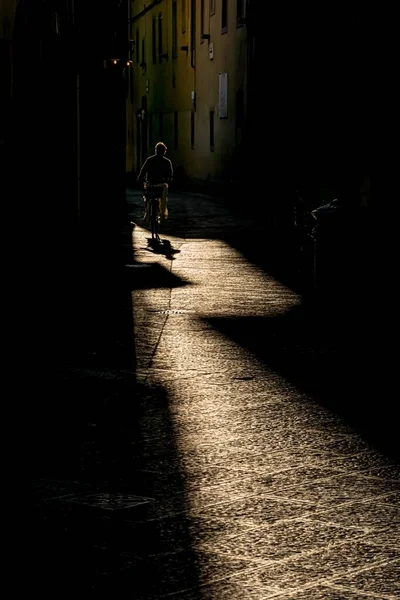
189 84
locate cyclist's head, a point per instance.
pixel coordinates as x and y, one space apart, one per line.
161 148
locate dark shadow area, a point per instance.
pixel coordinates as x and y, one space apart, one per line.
342 364
150 275
105 469
110 513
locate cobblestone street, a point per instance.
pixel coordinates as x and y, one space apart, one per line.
237 454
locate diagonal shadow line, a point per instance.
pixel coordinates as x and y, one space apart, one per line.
347 375
215 219
150 275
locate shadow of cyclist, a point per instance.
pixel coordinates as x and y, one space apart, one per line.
162 247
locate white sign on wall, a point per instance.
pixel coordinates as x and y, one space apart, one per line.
223 96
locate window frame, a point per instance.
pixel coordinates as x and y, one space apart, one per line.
240 12
160 37
212 129
202 19
192 130
154 39
224 16
174 42
184 16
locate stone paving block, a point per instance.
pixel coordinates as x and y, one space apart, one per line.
253 511
385 471
282 580
191 500
174 572
372 514
278 477
285 539
341 488
186 531
384 579
318 567
243 587
342 445
365 461
331 593
393 498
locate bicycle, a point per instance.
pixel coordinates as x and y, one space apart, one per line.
153 194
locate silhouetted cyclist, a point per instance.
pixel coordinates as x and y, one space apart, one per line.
157 171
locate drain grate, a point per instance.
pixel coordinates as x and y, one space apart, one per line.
169 312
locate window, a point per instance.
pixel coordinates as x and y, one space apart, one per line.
192 129
223 95
193 33
174 30
131 89
240 12
224 16
154 40
183 15
175 130
212 7
240 117
137 46
212 113
160 38
143 63
55 19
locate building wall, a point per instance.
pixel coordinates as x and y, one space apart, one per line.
229 56
161 85
180 89
68 115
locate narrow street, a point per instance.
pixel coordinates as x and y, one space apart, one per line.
239 454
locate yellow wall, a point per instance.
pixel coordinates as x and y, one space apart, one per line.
162 97
230 57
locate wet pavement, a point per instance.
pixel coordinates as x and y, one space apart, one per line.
233 447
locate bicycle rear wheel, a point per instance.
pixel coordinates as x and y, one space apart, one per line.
154 218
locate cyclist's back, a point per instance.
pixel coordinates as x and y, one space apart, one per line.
156 171
157 168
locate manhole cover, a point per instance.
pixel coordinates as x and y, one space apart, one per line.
170 312
138 266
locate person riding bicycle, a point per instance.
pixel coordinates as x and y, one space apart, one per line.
157 171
